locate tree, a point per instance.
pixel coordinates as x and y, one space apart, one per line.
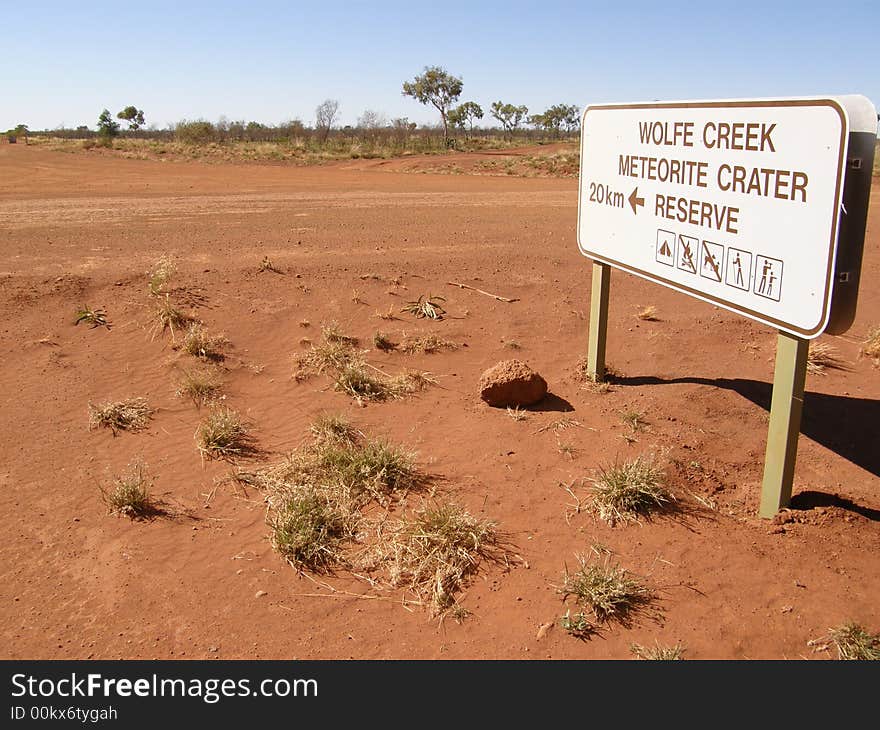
132 115
556 118
437 87
465 114
325 115
370 120
107 127
509 115
21 130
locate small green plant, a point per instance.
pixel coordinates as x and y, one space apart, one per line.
658 653
635 420
92 317
428 344
854 643
606 589
429 307
200 386
169 317
625 492
198 343
133 414
381 342
224 435
129 492
577 625
160 275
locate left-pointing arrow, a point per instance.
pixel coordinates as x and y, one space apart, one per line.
635 200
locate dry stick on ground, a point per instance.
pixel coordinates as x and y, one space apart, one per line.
480 291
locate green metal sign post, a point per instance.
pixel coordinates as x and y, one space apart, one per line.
786 407
598 321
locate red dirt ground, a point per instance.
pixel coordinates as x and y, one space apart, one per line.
76 582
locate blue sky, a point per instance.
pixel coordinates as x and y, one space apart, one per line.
270 61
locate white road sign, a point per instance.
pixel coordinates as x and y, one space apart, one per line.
733 202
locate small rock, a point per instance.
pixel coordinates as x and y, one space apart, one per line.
260 594
512 383
543 629
783 518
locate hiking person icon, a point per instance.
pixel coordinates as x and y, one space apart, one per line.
738 268
765 269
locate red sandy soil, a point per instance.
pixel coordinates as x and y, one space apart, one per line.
76 582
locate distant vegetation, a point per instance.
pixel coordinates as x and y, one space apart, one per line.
373 136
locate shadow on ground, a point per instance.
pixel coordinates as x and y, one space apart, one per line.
842 424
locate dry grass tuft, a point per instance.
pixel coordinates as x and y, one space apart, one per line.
871 346
335 429
578 625
429 307
267 265
92 317
160 275
625 492
309 529
658 653
382 342
821 357
200 386
129 493
334 335
363 383
169 317
606 589
854 643
517 413
224 435
427 344
132 414
648 314
198 343
435 551
389 315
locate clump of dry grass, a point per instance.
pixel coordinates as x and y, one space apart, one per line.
822 356
658 653
335 429
129 492
160 275
871 346
169 317
434 552
223 434
199 343
309 529
324 356
363 384
132 414
382 342
267 265
625 492
854 643
606 589
333 334
648 314
200 386
427 344
429 307
92 317
517 413
389 315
